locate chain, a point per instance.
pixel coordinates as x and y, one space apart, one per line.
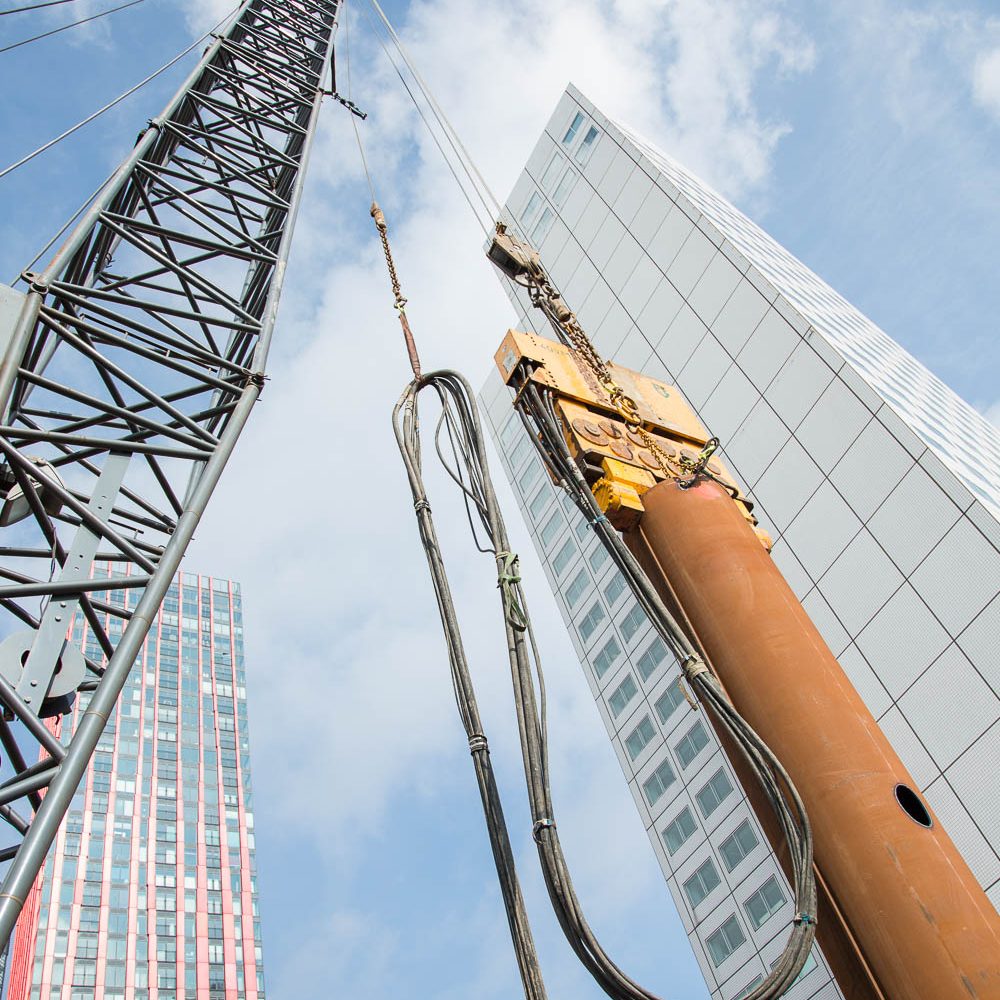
397 291
545 297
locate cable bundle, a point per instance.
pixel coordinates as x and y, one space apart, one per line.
460 445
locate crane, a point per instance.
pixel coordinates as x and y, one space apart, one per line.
130 367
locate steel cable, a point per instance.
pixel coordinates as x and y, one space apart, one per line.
66 27
467 465
35 6
121 97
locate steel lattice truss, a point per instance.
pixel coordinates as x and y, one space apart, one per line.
136 360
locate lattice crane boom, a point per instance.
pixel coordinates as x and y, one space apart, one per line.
131 366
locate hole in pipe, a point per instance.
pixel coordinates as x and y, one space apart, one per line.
911 804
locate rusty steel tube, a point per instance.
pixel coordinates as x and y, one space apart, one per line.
922 920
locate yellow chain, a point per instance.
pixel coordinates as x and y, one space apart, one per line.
549 300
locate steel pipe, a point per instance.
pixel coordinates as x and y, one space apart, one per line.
923 922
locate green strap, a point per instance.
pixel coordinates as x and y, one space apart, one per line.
507 582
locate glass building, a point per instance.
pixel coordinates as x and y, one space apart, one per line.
150 888
858 460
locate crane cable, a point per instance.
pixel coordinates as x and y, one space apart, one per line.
10 168
471 473
35 6
72 24
378 216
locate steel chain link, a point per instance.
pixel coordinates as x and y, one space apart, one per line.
545 297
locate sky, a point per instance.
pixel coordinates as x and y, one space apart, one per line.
864 136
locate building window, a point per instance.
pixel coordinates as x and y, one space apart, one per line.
654 655
563 557
714 791
723 942
767 900
691 744
632 622
676 832
614 589
640 737
591 621
670 700
516 456
622 695
701 883
658 782
86 946
84 973
598 558
564 188
538 502
751 986
607 657
542 226
529 476
576 589
574 127
587 146
550 528
166 949
738 845
556 164
529 210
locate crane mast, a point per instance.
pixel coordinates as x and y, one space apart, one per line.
130 367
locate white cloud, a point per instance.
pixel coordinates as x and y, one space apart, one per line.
203 14
986 82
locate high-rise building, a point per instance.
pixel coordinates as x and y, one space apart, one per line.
879 486
150 888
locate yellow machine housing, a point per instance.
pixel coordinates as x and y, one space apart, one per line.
614 457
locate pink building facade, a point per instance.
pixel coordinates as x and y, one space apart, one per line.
150 891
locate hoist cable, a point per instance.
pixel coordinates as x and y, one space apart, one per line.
493 206
35 6
121 97
72 24
485 224
350 98
484 216
399 300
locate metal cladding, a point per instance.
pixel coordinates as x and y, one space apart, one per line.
926 927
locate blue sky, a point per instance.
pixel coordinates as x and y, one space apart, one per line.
864 136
